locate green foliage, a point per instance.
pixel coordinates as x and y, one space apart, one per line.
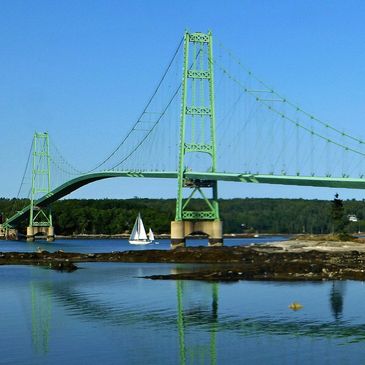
345 237
339 219
112 216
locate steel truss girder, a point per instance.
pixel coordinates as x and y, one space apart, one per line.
197 74
194 110
198 147
197 215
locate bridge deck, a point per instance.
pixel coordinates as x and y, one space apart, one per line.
83 180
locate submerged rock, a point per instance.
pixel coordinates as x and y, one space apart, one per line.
64 265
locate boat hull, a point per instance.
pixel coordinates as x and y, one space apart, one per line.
133 242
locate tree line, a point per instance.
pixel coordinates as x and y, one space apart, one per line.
113 216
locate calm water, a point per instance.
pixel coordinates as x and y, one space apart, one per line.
105 313
109 245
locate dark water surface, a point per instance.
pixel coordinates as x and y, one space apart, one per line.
105 313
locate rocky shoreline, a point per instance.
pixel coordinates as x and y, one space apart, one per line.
289 260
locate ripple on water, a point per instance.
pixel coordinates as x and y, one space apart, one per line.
105 309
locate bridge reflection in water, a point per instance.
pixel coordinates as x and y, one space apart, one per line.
196 320
200 352
41 316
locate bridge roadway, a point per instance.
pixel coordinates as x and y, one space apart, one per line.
83 180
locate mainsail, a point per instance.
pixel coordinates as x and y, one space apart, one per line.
138 233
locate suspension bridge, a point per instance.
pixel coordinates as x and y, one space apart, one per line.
216 122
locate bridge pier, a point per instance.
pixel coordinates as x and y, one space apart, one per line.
8 233
32 231
181 229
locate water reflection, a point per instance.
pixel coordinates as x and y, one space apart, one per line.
197 353
336 298
41 318
193 313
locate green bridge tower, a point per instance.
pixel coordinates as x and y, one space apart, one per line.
197 211
40 218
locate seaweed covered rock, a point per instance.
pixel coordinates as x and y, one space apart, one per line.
62 265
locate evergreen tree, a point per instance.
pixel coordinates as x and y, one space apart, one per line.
339 220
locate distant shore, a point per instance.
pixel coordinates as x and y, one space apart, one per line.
294 260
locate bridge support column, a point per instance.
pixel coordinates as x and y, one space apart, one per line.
8 233
30 234
216 232
33 231
181 229
178 233
50 234
2 232
40 216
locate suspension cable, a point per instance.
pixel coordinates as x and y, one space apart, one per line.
143 112
77 171
152 128
295 106
291 120
25 170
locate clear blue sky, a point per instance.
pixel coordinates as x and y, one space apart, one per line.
83 70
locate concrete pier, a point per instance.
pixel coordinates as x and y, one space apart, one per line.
181 229
8 233
33 231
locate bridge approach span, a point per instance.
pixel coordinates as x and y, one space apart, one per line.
86 179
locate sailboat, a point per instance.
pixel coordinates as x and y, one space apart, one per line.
151 237
138 235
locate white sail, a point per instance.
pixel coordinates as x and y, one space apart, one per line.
138 235
134 234
141 231
151 237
